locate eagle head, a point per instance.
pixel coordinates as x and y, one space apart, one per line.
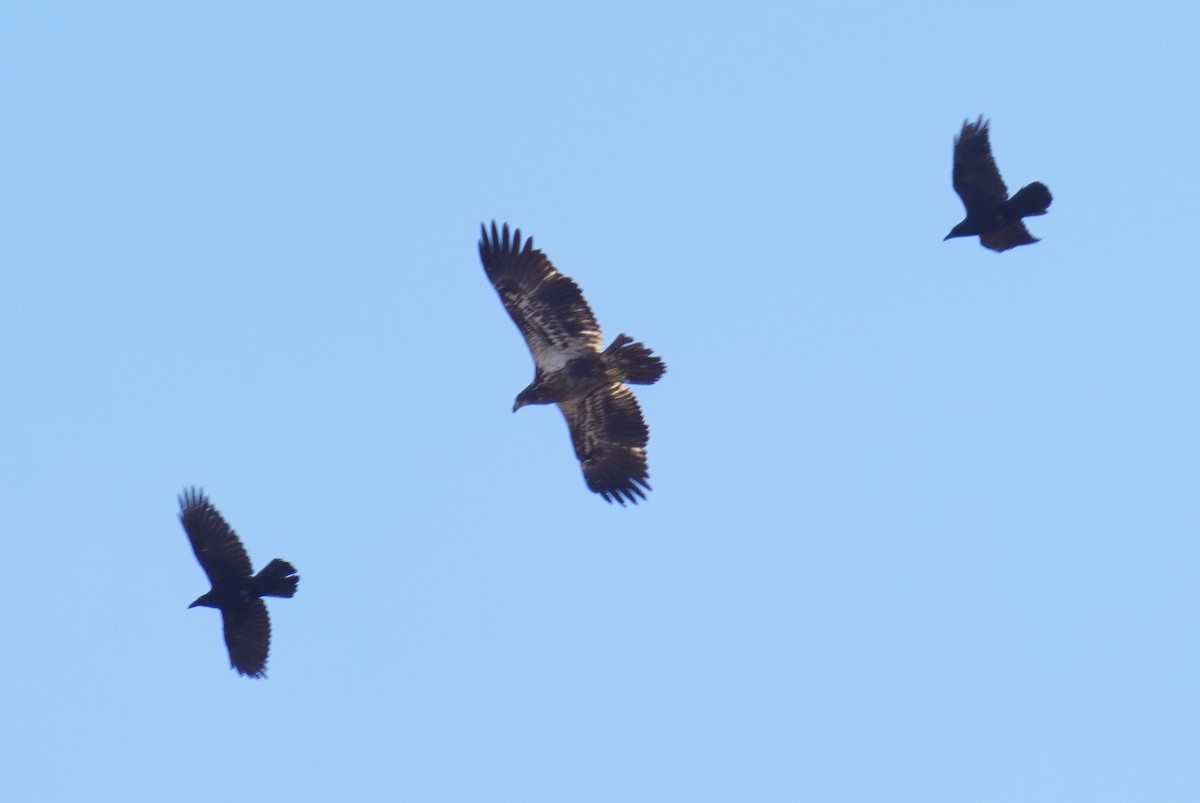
534 394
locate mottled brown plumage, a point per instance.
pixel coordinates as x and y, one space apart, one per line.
572 367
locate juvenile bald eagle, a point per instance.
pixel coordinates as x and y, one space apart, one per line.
572 367
991 214
236 592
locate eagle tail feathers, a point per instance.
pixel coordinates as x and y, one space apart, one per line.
636 362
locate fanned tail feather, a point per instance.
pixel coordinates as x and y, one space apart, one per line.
1032 199
277 579
637 363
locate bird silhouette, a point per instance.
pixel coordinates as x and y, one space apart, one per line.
236 591
991 214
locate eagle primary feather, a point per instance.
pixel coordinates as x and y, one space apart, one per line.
571 367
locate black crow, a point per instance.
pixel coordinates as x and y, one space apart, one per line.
991 214
236 591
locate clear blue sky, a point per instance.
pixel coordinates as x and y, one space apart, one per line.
924 521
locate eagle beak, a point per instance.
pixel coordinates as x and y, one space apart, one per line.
517 405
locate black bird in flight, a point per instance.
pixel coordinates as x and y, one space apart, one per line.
573 369
991 214
236 591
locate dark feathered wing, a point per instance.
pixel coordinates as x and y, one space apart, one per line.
217 547
610 437
247 635
976 177
1008 237
546 306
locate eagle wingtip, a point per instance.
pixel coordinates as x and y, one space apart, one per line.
629 493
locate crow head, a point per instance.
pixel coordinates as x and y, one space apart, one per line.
205 601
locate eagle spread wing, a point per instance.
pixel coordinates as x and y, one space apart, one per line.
247 635
610 437
546 306
218 549
976 177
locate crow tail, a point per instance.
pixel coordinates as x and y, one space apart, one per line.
637 363
1032 199
277 579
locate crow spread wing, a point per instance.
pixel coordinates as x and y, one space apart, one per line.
1008 237
610 437
217 547
976 177
247 635
548 307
